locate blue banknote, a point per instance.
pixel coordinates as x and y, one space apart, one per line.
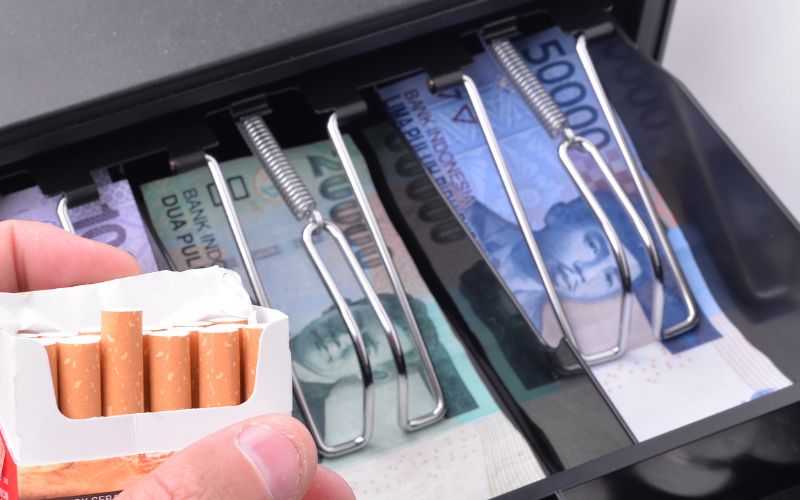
443 131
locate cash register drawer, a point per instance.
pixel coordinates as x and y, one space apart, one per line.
77 100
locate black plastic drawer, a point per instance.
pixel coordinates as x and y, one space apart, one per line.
744 241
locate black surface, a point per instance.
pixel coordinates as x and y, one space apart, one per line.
77 69
72 70
65 54
757 443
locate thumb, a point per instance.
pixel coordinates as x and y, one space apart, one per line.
271 456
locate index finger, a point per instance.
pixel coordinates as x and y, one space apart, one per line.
36 256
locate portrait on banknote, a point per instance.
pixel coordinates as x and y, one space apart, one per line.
324 360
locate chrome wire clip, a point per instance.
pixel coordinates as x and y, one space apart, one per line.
686 295
236 228
289 184
522 219
554 121
437 413
62 210
302 204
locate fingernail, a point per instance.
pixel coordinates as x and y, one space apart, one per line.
274 457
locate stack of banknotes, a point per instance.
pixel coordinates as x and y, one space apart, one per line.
656 386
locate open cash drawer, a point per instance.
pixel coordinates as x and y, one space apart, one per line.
163 120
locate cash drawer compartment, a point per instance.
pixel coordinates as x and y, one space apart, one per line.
743 240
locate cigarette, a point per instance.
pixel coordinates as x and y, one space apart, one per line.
194 360
146 331
228 320
146 368
122 352
219 383
79 379
250 342
170 370
51 347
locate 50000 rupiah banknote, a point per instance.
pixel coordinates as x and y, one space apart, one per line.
186 214
113 218
656 386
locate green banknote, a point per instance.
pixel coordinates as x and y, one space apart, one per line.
475 439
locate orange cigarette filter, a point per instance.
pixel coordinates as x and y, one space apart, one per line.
228 320
146 369
218 350
194 361
250 342
51 347
122 351
170 370
89 330
193 327
79 378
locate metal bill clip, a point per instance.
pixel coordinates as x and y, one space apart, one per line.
686 295
73 198
226 198
554 121
236 227
525 226
62 210
437 413
302 204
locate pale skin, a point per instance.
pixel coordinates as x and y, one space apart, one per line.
271 456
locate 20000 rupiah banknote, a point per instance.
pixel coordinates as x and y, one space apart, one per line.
656 386
186 214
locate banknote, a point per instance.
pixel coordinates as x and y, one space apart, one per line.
444 133
556 396
113 218
186 214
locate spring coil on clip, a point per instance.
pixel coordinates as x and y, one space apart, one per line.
292 189
537 97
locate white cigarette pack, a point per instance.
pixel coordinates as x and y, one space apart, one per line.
47 455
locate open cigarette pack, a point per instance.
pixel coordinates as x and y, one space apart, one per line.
101 383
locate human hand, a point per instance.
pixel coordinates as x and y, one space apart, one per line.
272 456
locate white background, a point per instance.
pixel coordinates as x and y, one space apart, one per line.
741 59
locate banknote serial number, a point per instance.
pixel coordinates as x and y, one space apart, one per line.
345 211
554 70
